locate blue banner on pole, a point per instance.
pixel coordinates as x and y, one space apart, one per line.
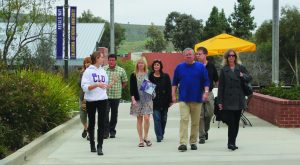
59 32
73 15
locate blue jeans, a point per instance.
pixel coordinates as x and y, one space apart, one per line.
160 121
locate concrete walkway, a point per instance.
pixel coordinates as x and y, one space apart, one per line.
261 144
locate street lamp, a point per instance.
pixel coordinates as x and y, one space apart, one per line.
112 28
66 40
275 43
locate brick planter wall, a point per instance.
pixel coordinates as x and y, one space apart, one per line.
280 112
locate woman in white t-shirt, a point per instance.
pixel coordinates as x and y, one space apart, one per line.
94 84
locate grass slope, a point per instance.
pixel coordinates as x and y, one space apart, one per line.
136 39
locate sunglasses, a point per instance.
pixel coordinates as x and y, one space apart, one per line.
231 55
156 60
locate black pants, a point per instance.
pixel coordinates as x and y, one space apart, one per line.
232 119
91 110
110 125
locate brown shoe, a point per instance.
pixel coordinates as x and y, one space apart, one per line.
141 144
148 142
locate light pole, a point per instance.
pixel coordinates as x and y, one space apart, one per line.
112 28
66 40
275 43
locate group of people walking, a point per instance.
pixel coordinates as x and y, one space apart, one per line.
194 78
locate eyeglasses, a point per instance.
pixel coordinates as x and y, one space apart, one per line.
199 54
189 54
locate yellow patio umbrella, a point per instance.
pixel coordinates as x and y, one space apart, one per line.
221 43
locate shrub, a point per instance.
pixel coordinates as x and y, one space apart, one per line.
32 103
58 97
73 80
128 66
292 93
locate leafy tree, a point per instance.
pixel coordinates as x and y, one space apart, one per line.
259 63
156 41
182 30
224 22
216 24
88 17
21 19
290 40
170 25
263 39
44 57
119 36
241 20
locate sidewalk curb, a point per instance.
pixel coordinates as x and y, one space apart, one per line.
20 156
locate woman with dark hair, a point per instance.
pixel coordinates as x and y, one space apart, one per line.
231 98
162 100
82 102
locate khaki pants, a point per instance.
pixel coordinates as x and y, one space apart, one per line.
207 112
187 110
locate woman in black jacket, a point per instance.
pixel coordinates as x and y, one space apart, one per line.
141 102
231 97
162 100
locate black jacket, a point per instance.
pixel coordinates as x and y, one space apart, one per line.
212 74
163 97
230 92
133 87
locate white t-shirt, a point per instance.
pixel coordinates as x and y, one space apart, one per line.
93 75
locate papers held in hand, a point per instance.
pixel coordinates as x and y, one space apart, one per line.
148 87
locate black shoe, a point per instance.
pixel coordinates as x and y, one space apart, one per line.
93 148
84 133
206 136
194 147
201 141
232 147
87 137
159 139
105 136
182 148
99 149
112 136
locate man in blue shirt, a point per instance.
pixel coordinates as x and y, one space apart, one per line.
191 77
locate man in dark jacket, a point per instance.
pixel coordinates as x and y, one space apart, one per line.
207 110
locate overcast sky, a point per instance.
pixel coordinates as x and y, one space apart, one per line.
156 11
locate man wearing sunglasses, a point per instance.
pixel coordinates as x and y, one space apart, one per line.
207 110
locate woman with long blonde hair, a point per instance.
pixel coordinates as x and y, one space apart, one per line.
231 97
142 105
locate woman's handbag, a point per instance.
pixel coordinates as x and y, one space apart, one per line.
246 85
247 88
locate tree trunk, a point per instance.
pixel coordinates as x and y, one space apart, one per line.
296 67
